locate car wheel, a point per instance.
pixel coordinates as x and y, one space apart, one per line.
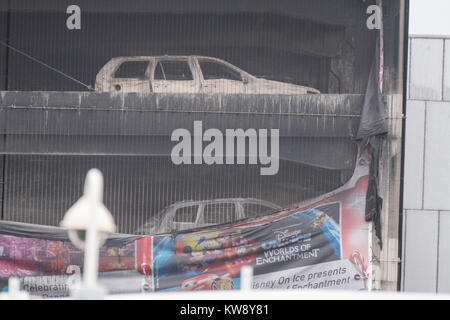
146 287
187 250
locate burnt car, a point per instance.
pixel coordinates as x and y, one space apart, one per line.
185 74
186 215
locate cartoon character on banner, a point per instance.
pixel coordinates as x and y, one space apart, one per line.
361 266
57 254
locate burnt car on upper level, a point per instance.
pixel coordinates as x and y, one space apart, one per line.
185 74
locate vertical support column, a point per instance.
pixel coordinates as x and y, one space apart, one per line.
385 260
3 157
2 182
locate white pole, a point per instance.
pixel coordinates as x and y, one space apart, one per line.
94 193
246 278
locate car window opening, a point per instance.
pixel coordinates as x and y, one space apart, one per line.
132 70
173 71
214 71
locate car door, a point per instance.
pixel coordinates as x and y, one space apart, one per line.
218 213
253 209
131 76
184 218
218 77
174 76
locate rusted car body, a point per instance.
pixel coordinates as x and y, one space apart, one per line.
185 74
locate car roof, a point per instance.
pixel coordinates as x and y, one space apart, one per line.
166 56
177 57
222 200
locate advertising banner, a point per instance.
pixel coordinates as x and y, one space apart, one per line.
49 268
322 244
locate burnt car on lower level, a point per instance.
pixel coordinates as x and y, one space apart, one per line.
186 215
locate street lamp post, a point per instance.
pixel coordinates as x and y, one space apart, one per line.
88 222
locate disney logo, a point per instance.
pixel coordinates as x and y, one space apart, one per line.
283 235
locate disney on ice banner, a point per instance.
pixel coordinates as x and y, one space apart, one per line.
323 244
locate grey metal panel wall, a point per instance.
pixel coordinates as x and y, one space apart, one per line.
427 168
447 69
134 114
421 248
414 154
426 71
4 30
443 284
51 139
92 123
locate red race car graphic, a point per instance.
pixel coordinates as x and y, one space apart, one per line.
208 282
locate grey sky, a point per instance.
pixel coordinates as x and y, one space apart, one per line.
429 17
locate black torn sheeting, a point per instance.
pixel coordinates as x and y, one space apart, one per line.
373 114
374 202
372 126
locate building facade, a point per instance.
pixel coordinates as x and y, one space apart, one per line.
426 201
